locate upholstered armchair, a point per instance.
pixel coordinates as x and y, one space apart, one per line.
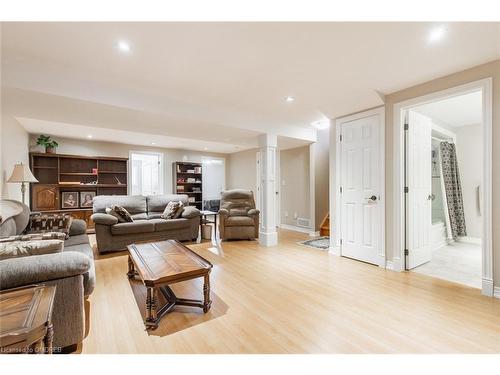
239 219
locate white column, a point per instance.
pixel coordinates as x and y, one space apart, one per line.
267 184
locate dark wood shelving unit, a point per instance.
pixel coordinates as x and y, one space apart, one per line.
58 174
187 179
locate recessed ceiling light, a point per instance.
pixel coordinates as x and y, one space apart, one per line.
205 148
289 99
436 34
153 143
89 136
321 124
123 46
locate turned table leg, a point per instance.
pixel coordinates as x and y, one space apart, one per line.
131 270
151 308
49 337
206 293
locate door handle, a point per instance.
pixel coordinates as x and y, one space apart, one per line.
373 198
431 197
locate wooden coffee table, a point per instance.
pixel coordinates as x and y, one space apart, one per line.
160 264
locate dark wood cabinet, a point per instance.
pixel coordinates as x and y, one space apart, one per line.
60 175
44 197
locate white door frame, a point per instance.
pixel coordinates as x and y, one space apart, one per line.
485 86
336 227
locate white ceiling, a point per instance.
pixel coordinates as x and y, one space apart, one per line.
221 84
456 111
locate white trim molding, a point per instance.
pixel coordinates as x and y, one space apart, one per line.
296 228
496 292
485 86
337 163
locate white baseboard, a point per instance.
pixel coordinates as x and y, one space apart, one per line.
389 265
299 229
268 239
335 250
496 292
487 287
472 240
396 265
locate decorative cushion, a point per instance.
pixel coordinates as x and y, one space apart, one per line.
51 223
120 213
18 249
35 237
173 210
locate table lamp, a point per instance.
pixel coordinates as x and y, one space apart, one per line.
22 174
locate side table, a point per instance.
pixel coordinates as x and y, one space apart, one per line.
25 320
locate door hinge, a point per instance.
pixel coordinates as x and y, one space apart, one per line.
340 137
406 251
341 190
341 241
406 189
407 126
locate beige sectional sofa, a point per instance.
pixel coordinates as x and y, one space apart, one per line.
147 225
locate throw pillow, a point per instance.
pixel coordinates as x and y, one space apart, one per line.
35 236
178 213
51 223
120 213
17 249
171 210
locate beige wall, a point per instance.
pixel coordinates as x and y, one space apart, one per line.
469 146
99 148
241 170
491 69
321 176
14 149
295 190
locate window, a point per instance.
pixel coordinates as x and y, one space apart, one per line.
213 178
146 171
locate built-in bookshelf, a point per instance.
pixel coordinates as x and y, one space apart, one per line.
67 183
187 179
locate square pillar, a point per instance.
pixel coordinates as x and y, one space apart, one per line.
267 189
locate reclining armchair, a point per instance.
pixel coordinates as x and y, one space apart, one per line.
239 219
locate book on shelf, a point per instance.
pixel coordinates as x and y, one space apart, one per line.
197 169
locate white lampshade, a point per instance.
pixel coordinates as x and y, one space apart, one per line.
22 173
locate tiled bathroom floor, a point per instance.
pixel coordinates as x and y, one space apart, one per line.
459 262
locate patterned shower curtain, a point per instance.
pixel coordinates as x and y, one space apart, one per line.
453 188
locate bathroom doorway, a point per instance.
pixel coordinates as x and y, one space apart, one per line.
444 196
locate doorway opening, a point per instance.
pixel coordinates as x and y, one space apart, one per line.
146 173
444 176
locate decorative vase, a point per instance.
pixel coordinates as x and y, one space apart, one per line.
50 150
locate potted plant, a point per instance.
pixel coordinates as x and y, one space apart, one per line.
49 144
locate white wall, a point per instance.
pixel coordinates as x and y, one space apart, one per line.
469 147
99 148
295 188
241 170
321 176
14 149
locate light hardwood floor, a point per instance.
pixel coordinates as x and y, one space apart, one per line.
294 299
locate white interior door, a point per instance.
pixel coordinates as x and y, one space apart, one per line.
360 183
419 183
146 171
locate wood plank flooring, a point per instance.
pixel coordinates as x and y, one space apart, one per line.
293 299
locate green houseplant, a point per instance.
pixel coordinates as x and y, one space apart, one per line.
49 144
